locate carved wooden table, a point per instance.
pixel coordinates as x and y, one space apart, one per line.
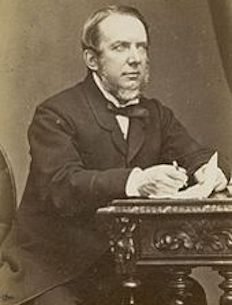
174 234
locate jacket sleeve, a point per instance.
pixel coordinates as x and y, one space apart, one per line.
58 172
178 145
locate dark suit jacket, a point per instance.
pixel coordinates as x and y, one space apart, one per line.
80 161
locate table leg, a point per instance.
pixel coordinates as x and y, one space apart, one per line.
179 284
130 286
123 247
226 285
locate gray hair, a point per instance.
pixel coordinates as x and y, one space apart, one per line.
90 34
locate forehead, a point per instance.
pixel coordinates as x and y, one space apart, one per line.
118 27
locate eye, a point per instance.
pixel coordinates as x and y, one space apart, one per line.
142 46
120 47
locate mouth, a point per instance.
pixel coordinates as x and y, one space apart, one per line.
131 75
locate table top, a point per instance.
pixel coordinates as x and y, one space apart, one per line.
219 203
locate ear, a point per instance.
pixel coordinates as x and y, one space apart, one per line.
91 59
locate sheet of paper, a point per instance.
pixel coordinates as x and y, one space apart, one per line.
198 191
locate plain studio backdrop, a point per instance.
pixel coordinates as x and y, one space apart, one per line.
191 70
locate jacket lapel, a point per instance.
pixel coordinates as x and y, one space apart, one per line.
136 137
119 141
104 118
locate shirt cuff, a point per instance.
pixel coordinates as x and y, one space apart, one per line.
133 182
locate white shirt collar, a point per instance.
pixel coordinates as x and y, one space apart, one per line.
109 96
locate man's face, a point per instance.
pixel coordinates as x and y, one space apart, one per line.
122 63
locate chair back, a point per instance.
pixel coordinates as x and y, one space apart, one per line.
7 195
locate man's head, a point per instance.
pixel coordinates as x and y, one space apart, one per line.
115 43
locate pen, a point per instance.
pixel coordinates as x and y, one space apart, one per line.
176 166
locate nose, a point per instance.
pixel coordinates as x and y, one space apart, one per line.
134 56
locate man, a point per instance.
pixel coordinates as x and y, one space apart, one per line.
92 143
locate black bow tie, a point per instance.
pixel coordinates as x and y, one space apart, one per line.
132 111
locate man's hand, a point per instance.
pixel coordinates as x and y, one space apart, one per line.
157 180
220 182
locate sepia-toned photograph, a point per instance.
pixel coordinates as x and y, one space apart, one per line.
115 152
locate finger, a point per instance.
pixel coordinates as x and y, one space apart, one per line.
165 183
168 175
175 174
164 190
172 182
166 170
165 174
151 188
147 189
181 169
